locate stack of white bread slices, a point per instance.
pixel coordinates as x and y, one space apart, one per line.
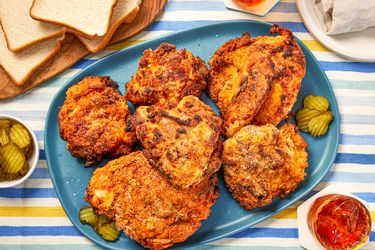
31 30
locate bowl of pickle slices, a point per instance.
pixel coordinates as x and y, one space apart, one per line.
19 151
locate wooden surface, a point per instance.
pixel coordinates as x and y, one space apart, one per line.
73 50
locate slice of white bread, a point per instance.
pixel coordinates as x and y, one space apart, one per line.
21 31
88 17
124 12
21 65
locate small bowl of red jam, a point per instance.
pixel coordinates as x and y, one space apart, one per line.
339 222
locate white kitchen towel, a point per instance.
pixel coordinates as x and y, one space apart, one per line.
342 16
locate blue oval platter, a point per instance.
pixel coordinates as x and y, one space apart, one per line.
70 177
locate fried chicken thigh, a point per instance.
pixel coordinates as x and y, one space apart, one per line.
182 143
262 162
256 78
165 76
94 120
144 204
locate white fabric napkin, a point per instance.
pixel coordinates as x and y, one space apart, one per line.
342 16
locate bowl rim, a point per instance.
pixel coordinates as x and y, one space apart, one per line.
35 156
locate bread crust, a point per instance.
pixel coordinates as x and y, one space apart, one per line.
32 71
111 31
56 35
71 27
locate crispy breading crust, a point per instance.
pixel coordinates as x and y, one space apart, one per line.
290 65
183 143
240 79
165 76
94 120
145 205
252 75
262 162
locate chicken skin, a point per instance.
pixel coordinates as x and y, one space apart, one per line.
262 162
256 79
290 67
94 120
144 204
165 76
182 143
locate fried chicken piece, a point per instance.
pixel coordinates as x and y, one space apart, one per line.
240 80
262 162
290 65
165 76
144 204
94 120
252 75
181 143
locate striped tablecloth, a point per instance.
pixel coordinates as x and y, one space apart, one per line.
31 216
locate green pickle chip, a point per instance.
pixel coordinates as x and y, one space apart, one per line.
100 223
319 103
318 125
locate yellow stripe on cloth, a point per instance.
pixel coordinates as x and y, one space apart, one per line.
291 213
314 45
32 211
123 44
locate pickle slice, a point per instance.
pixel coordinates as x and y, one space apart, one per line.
4 137
100 223
11 158
87 216
318 125
304 116
20 135
5 124
316 102
107 229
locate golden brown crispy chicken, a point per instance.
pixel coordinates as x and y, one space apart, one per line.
262 162
144 204
181 143
165 76
290 67
94 120
256 78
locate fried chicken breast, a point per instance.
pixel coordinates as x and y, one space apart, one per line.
94 120
262 162
290 67
182 143
144 204
256 78
165 76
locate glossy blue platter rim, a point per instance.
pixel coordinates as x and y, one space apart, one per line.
331 139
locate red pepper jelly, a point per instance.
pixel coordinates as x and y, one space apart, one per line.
339 221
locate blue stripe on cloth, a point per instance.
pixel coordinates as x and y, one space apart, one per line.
181 25
72 231
267 232
358 119
349 177
355 158
27 193
40 173
274 233
357 139
40 230
39 135
368 197
348 66
219 6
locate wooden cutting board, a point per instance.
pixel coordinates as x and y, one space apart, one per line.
72 50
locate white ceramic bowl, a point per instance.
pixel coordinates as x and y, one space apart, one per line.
33 160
